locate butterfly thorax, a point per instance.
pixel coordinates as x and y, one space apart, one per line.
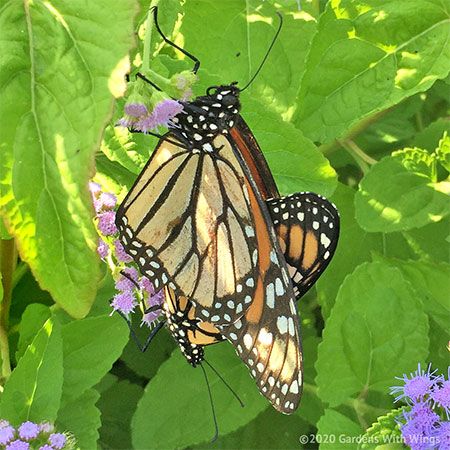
179 325
206 117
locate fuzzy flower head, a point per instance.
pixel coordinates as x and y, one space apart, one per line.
133 289
161 116
124 302
7 433
57 440
28 430
18 445
442 436
441 394
418 385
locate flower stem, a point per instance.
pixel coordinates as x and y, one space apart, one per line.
148 37
8 260
363 160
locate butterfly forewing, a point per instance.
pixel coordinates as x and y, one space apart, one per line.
190 222
270 348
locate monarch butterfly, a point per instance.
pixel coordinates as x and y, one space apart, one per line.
204 222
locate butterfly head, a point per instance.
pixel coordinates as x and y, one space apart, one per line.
208 116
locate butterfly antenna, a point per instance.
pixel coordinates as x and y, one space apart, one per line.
216 427
168 41
267 53
236 396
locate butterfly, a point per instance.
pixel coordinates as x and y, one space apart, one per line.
204 221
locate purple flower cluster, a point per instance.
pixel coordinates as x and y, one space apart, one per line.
424 426
139 118
30 435
133 290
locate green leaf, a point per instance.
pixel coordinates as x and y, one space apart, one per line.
160 349
91 346
117 405
431 281
269 430
377 330
431 242
399 194
177 388
33 391
59 59
335 430
32 321
81 418
131 151
384 431
366 58
354 247
235 40
428 137
443 152
295 161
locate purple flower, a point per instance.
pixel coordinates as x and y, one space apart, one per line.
6 433
136 109
413 436
57 440
417 387
46 427
120 252
442 436
147 123
124 302
152 300
124 284
18 445
28 430
161 115
166 110
423 416
108 200
106 223
102 248
441 394
95 189
132 273
46 447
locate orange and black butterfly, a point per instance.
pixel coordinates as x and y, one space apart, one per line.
205 222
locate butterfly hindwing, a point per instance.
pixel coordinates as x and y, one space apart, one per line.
307 226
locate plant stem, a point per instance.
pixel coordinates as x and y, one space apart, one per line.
8 260
354 131
148 37
362 159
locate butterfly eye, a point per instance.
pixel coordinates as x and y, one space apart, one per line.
212 90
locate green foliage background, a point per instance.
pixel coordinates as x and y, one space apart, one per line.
353 103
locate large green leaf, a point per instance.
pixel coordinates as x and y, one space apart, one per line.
231 38
377 330
81 418
91 346
294 160
177 388
400 193
335 430
368 57
61 71
32 321
33 391
117 405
